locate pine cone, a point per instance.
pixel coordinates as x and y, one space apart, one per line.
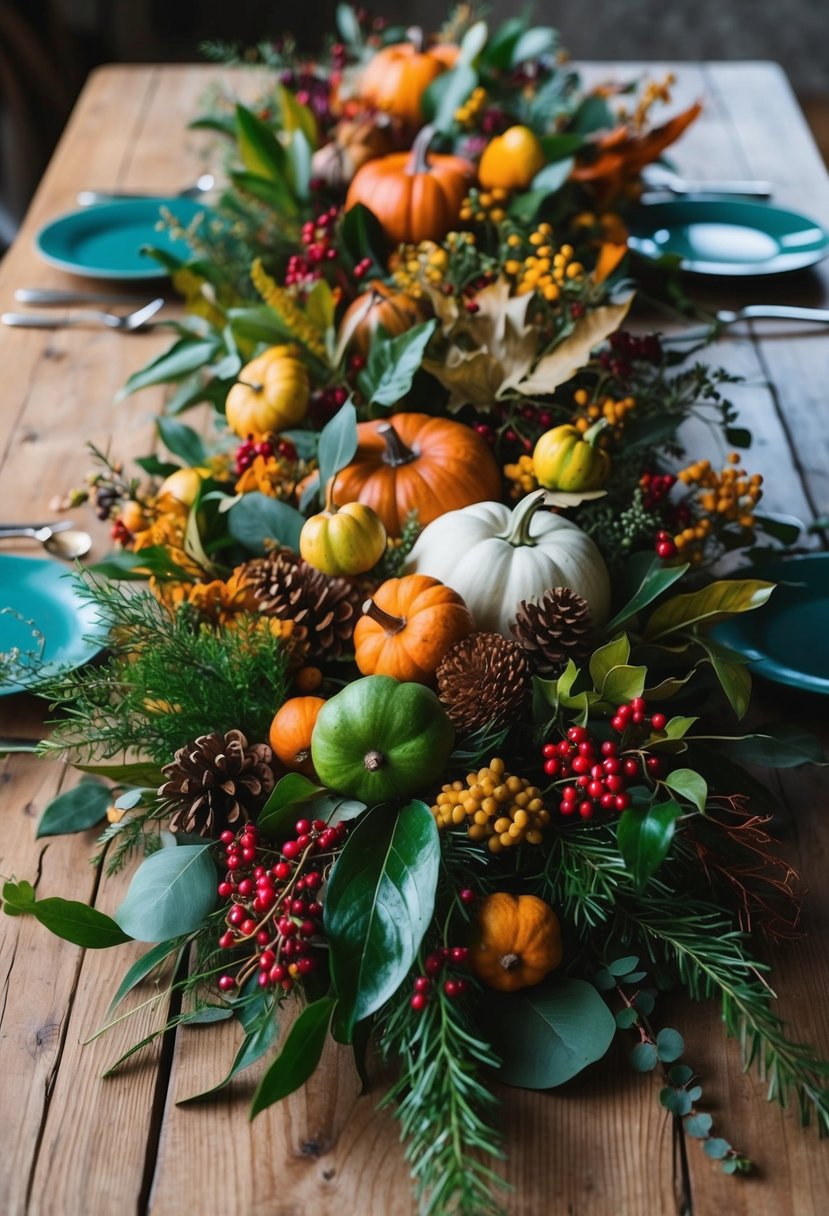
216 781
555 630
324 610
483 680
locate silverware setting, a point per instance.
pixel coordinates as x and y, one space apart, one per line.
657 177
90 198
49 297
753 312
60 539
129 323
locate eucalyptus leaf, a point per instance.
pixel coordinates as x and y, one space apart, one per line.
144 966
552 177
447 93
184 357
393 363
534 42
171 892
379 904
299 1057
643 1057
181 440
677 1101
257 518
337 442
669 1045
699 1125
75 810
644 836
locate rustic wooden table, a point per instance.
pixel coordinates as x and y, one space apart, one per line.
75 1145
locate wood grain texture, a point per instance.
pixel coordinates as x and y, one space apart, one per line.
600 1146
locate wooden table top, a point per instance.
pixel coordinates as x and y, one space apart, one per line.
75 1145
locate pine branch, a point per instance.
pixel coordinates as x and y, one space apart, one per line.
584 875
445 1110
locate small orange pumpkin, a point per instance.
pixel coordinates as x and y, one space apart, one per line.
418 463
415 195
290 733
398 76
510 161
518 941
408 627
271 393
379 305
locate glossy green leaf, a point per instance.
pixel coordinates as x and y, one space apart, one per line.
257 323
776 745
296 116
611 655
274 194
393 363
623 683
716 602
181 440
536 41
75 810
657 579
735 681
257 1014
644 836
77 922
298 164
337 442
559 147
447 93
279 812
182 359
171 893
593 114
622 966
260 151
18 897
546 1034
257 518
363 236
688 784
144 966
552 177
299 1057
379 904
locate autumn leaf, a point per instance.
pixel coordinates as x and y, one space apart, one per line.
574 352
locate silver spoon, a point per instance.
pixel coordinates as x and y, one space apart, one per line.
127 324
88 198
61 540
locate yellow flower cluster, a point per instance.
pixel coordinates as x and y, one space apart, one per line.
613 409
287 309
545 270
415 265
482 205
467 114
498 808
730 494
522 475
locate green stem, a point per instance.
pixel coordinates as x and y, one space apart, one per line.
418 162
518 532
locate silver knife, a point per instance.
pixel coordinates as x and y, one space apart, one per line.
48 297
753 312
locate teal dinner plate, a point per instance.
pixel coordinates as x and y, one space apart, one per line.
727 237
787 640
106 242
38 595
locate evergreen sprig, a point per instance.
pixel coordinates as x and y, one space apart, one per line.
446 1111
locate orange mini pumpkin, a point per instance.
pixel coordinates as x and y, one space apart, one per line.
408 627
398 76
291 730
418 463
415 195
379 305
518 941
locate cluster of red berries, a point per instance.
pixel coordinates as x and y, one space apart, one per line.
120 533
655 488
362 268
310 90
435 963
626 349
665 546
252 447
275 903
325 402
304 269
599 775
632 714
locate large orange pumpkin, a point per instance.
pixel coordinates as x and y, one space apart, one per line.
408 626
415 195
291 730
418 463
379 305
398 76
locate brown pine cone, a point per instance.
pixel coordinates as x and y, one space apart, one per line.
215 781
556 629
324 609
484 680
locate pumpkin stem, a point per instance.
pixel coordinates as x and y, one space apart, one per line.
391 624
330 506
418 161
509 961
592 433
396 452
255 388
521 519
417 38
302 755
373 761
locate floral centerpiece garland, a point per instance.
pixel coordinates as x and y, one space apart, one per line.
420 717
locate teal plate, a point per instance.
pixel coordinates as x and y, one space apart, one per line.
40 595
787 640
106 242
725 237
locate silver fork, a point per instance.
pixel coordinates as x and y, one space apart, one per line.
753 312
657 176
86 317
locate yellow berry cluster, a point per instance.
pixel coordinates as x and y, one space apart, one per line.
414 265
545 270
613 409
498 808
482 205
467 114
730 494
522 475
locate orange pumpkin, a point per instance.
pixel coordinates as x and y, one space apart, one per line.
291 730
379 305
418 463
518 941
398 76
510 161
416 196
408 627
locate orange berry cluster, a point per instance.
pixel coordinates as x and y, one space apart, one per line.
544 269
467 114
522 475
481 205
615 411
730 494
498 808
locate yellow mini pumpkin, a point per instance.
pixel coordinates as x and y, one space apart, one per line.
271 393
510 161
183 485
517 943
343 540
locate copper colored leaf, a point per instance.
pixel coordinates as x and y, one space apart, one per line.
574 352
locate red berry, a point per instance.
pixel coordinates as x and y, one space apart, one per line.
248 927
307 928
658 721
291 849
226 889
263 937
567 807
580 764
422 983
551 767
226 982
548 750
564 748
227 940
622 802
246 887
569 793
433 964
583 781
306 965
450 987
611 765
418 1001
267 959
586 747
609 748
638 705
618 723
236 915
459 954
576 734
630 766
615 783
277 973
302 827
586 809
595 789
467 895
227 838
665 549
607 801
654 765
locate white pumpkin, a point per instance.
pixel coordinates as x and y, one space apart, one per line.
496 557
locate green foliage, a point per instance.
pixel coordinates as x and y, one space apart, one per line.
298 1058
392 364
171 893
257 1013
257 519
280 811
644 835
75 810
67 918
